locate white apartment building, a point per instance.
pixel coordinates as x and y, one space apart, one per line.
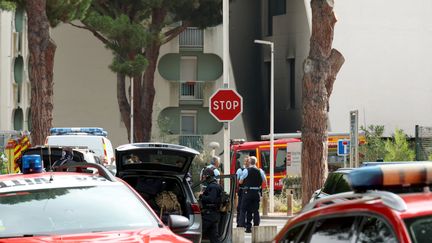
14 82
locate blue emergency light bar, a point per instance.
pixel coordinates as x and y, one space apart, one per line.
32 164
97 131
391 175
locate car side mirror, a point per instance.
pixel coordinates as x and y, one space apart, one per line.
178 223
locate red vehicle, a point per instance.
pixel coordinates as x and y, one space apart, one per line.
261 149
42 206
367 214
287 156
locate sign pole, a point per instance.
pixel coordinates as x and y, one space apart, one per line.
225 46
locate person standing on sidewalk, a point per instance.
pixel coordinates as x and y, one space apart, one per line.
240 189
210 203
251 179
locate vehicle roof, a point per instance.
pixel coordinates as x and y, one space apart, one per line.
151 145
418 204
37 181
262 143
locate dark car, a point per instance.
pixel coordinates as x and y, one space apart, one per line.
158 171
337 181
50 154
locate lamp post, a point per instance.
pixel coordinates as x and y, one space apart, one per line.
132 110
271 192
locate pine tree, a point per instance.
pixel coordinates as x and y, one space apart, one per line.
135 30
320 70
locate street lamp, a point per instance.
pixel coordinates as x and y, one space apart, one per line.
271 192
132 110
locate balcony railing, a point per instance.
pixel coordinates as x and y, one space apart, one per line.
192 38
192 141
191 90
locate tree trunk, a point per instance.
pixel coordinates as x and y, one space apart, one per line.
123 102
41 62
320 70
148 91
144 123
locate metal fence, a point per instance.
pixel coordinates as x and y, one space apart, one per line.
423 141
192 37
191 90
192 141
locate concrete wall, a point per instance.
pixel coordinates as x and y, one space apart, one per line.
387 74
85 88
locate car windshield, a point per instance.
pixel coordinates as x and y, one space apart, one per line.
420 228
72 210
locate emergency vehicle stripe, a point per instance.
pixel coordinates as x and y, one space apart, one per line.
105 151
21 146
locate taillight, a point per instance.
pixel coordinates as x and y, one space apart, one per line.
195 208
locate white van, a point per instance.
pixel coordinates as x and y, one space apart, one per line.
93 138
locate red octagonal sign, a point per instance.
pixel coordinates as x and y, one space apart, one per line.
226 105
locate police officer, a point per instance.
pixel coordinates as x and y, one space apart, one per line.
214 165
210 204
240 189
251 180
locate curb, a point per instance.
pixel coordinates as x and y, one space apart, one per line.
275 217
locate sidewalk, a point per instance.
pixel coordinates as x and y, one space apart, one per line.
275 215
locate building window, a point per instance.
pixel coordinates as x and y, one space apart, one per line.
291 63
18 119
188 68
188 122
275 8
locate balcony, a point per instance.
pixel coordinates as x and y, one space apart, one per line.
192 141
192 39
191 92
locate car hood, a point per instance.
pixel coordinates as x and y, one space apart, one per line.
154 157
147 235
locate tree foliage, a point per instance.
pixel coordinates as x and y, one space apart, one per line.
377 147
374 148
398 149
135 30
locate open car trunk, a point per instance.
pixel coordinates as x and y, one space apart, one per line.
164 194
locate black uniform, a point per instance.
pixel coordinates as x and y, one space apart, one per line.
251 198
211 201
239 201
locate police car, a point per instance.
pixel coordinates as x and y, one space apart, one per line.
70 205
370 213
94 138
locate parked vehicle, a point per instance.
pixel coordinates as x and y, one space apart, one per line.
368 213
337 181
59 206
50 154
158 170
93 138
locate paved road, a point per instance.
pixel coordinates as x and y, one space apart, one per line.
279 222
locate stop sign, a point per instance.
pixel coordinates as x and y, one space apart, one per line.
226 105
